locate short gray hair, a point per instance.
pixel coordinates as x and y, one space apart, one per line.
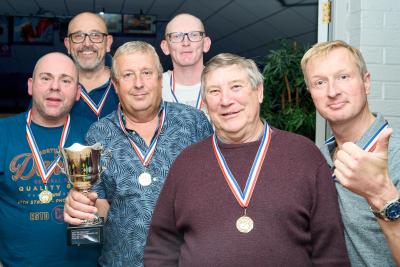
227 60
132 48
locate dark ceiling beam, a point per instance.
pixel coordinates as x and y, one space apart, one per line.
122 7
175 10
254 22
249 24
66 8
218 10
284 4
150 7
12 7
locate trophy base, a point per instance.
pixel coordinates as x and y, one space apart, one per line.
85 235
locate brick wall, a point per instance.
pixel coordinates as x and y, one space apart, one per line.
374 27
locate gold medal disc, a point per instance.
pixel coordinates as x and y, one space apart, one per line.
45 196
145 179
244 224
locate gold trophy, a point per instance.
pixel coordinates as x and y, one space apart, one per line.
83 169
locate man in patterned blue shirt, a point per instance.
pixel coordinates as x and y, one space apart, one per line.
144 136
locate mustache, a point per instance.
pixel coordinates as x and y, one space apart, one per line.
87 49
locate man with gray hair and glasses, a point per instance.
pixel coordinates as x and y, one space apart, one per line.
88 43
144 135
186 42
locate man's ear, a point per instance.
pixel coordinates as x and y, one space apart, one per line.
115 85
164 47
78 93
30 84
67 44
206 44
260 93
109 42
367 82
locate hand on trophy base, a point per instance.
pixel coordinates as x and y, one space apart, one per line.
86 227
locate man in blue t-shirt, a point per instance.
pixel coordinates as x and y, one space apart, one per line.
32 187
89 43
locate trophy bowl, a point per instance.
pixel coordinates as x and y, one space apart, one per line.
83 168
82 165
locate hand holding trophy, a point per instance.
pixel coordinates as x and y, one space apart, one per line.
83 169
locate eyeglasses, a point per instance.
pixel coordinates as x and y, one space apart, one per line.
94 37
177 37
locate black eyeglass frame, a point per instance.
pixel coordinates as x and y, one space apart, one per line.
183 34
90 35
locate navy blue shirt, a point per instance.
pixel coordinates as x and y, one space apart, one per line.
81 108
33 233
132 204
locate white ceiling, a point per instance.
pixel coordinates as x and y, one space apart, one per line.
246 27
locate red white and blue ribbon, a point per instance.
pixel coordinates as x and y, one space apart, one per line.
44 172
199 102
96 108
243 198
144 157
369 146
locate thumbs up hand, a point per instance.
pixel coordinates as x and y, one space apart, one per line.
366 173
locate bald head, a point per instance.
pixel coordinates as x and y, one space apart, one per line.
180 21
54 89
87 18
47 62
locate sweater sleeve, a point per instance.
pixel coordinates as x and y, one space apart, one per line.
164 239
328 245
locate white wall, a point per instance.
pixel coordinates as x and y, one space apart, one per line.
373 26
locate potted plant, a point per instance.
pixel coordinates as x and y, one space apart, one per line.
287 104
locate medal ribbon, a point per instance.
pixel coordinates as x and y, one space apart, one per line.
199 102
96 108
369 146
243 198
44 172
144 158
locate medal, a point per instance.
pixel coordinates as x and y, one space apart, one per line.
45 196
244 224
144 179
45 172
96 108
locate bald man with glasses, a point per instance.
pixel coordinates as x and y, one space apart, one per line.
186 42
88 43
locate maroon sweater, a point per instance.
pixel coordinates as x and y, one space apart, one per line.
294 208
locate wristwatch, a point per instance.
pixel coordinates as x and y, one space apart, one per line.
389 212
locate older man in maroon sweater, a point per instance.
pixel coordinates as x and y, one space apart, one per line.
250 195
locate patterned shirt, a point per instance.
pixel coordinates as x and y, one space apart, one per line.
131 204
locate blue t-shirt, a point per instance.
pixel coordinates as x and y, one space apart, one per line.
132 204
32 233
81 108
